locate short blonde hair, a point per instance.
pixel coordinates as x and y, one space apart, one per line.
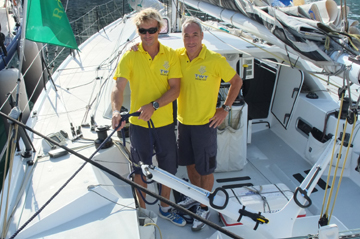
191 20
146 15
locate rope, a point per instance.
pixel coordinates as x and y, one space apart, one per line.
3 150
152 134
51 198
332 155
5 169
13 146
265 202
91 190
151 223
336 168
20 192
343 167
66 183
211 224
8 97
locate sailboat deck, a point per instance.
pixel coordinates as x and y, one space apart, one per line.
270 161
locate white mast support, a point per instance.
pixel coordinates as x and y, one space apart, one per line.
284 219
22 49
174 26
257 29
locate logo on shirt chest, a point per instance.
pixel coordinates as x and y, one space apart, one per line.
201 76
165 72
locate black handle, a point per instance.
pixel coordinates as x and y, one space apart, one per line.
212 196
304 194
294 90
286 116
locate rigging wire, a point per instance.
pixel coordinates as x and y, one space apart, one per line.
61 99
3 152
336 168
77 86
332 155
8 97
93 101
74 68
14 129
19 195
88 160
326 217
34 91
343 166
37 159
6 166
154 224
91 190
108 61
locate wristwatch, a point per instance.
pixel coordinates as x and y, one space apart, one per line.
226 108
155 105
116 111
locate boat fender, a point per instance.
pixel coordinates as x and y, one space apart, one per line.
212 197
256 217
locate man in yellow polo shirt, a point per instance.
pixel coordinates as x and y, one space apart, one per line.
197 113
154 75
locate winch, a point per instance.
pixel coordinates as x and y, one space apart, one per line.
102 135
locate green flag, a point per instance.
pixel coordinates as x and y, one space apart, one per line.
47 22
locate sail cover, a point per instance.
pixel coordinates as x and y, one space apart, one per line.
312 30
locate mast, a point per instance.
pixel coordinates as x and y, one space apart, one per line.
175 16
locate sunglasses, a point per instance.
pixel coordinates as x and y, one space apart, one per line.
150 30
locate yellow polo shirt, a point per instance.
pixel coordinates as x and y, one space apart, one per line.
200 85
148 80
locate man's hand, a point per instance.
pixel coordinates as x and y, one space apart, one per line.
135 47
218 118
146 112
115 120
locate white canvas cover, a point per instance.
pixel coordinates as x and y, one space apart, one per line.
231 138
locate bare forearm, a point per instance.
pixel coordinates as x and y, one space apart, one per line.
170 95
234 89
116 99
116 102
220 114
